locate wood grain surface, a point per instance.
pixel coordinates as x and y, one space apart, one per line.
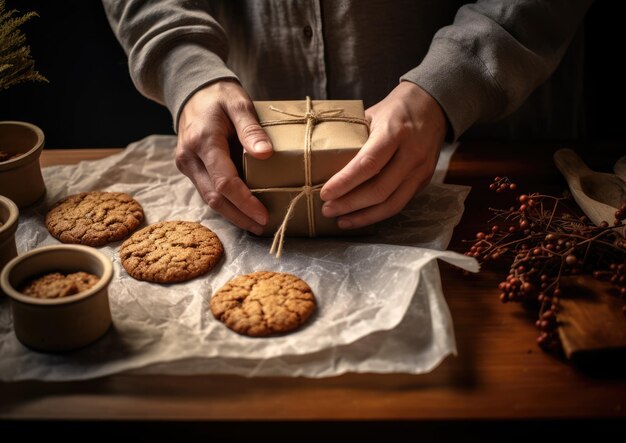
499 372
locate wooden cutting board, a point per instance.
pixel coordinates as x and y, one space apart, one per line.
592 325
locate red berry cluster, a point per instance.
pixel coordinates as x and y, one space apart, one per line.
501 184
544 238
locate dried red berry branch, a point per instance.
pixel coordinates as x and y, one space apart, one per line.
542 240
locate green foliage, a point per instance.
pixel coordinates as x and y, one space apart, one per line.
16 64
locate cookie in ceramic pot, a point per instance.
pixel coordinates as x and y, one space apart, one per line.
56 284
94 218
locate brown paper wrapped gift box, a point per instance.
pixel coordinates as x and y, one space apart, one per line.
337 130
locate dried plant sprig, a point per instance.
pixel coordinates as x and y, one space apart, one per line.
544 239
16 63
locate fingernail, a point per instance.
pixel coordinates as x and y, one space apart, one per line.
262 146
327 210
256 230
260 218
345 224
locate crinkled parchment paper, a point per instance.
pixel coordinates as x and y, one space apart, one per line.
380 304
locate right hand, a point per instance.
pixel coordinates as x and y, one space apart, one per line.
208 118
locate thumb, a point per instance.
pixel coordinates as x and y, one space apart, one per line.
250 133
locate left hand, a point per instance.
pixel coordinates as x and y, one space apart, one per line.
407 130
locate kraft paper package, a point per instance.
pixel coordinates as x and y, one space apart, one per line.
333 130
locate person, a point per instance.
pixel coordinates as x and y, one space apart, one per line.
427 70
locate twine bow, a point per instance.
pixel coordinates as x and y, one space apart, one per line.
311 118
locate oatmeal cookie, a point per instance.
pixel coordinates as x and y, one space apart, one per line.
171 251
94 218
263 303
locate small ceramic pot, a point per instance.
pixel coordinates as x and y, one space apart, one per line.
65 323
20 177
9 215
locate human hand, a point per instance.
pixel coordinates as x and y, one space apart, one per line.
207 120
407 130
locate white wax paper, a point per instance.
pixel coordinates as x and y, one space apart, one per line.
380 304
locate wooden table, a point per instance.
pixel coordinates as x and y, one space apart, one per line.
499 374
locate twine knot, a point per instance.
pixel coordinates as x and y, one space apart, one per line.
311 116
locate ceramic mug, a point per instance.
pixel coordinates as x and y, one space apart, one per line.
20 175
64 323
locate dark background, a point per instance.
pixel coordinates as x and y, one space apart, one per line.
91 101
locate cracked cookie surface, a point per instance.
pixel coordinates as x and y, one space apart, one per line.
171 251
263 303
57 285
94 218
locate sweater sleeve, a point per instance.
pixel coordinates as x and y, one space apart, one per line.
174 48
483 66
